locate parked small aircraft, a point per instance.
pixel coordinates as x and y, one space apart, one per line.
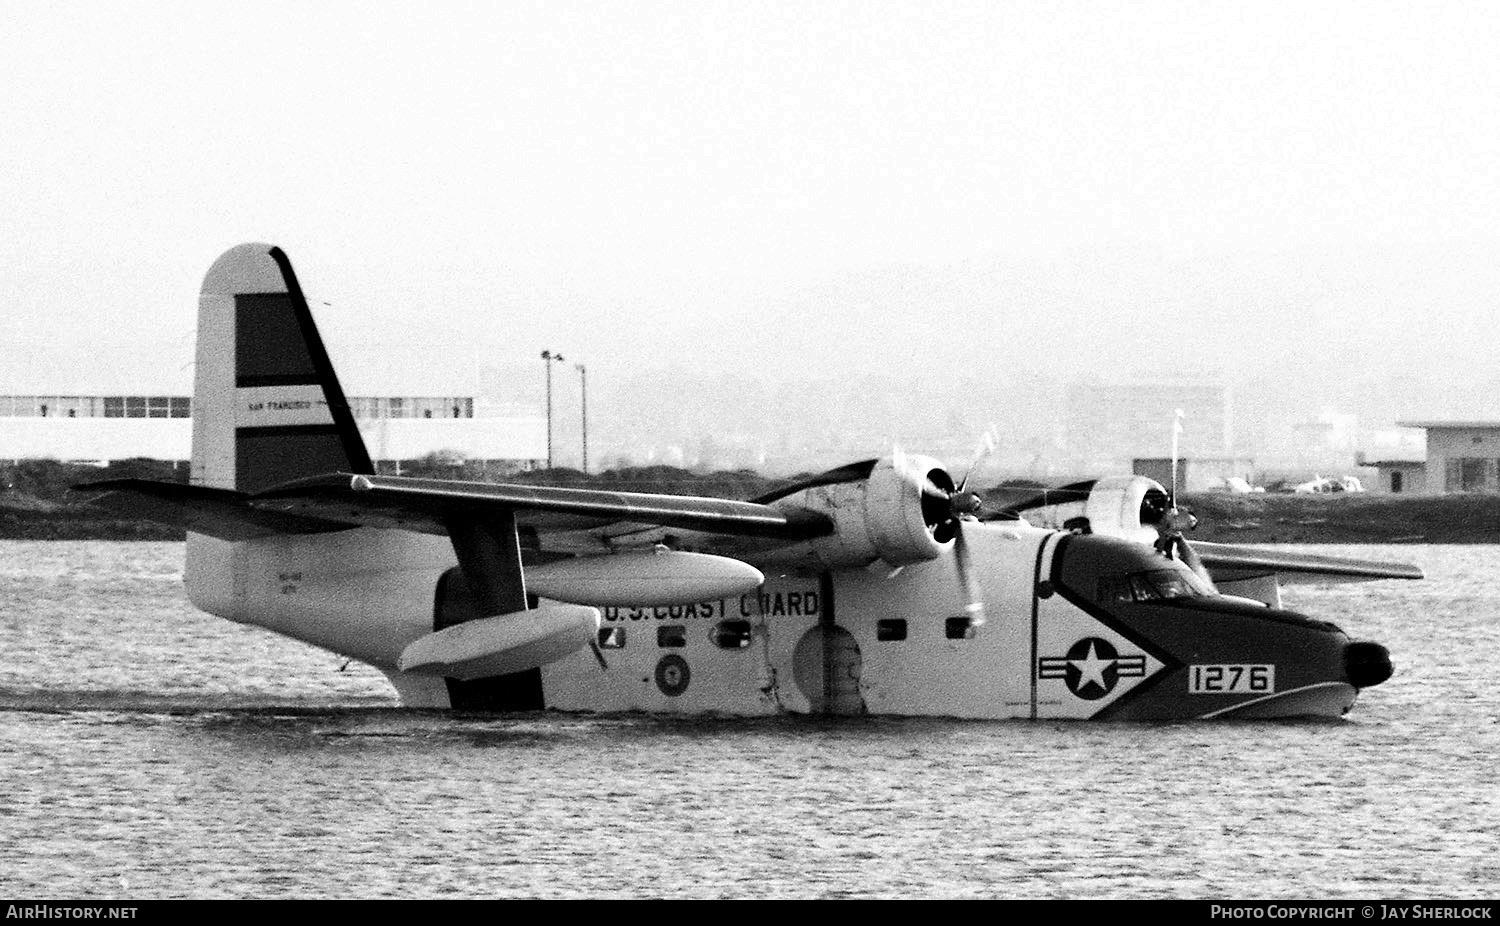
880 587
1319 485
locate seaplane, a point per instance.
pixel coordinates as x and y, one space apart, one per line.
883 587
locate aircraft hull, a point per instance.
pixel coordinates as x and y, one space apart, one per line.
841 642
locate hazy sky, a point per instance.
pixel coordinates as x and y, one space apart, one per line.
766 186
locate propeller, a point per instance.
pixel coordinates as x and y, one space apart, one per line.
1171 542
951 506
957 501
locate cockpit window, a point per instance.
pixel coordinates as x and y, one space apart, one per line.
1114 589
1143 587
1155 585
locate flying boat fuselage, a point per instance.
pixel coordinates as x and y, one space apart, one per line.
1075 626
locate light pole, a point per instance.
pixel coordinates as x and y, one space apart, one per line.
548 358
583 379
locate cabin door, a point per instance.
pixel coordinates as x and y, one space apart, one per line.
827 663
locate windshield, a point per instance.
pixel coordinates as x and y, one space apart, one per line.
1153 585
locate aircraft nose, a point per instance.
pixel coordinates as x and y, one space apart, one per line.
1366 663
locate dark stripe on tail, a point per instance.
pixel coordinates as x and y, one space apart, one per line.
265 457
270 347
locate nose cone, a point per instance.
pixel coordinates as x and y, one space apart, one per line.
1366 664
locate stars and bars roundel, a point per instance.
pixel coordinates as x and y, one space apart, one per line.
1091 668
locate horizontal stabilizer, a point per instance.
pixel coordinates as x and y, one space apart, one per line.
502 645
222 513
1230 562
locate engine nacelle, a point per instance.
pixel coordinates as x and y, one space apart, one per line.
885 516
1115 506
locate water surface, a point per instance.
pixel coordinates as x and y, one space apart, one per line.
150 751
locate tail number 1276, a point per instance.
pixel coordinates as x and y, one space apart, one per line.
1232 679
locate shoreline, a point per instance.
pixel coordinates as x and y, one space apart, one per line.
1245 519
1351 518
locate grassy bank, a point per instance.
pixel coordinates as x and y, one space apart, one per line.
35 504
36 501
1346 518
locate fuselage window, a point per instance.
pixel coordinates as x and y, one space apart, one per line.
611 637
671 636
731 634
890 630
959 628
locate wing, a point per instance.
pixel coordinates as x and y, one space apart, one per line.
222 513
338 501
1135 507
1229 563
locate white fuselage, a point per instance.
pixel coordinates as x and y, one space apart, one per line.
850 641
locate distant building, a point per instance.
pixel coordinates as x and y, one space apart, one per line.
1400 466
1399 477
1462 456
99 425
1133 418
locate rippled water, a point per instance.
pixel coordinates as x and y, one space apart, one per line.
147 751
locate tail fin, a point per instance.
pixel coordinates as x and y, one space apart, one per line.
267 406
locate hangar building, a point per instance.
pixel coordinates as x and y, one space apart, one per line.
1462 456
80 420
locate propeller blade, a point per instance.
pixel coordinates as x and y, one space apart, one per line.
1190 559
973 599
1176 436
986 447
902 464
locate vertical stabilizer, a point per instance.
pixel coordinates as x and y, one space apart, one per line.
267 406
